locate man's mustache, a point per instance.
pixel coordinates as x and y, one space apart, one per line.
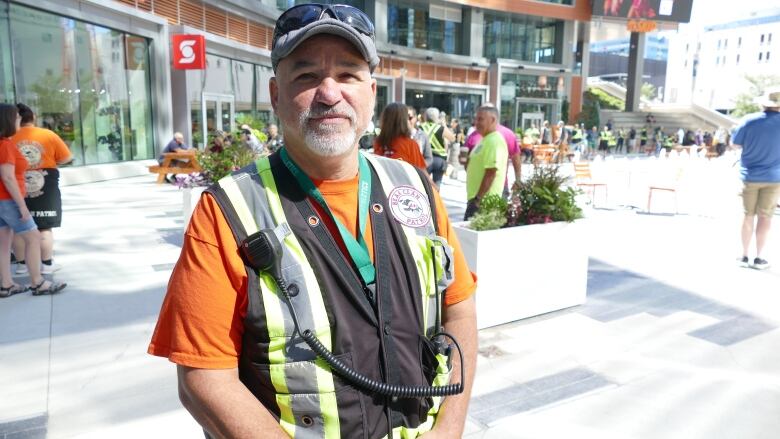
322 111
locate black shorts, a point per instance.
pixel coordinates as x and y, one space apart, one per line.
43 197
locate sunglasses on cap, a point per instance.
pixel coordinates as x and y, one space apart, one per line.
301 16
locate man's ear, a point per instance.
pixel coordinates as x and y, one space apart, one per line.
273 89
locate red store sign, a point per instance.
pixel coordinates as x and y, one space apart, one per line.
189 52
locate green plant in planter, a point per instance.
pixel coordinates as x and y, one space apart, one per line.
491 214
219 164
538 200
542 199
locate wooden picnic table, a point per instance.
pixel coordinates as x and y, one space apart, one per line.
184 162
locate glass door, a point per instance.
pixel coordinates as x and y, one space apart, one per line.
219 113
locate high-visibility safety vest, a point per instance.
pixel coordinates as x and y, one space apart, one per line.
577 135
371 328
611 140
437 146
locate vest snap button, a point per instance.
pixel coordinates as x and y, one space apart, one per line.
307 420
387 329
378 208
293 290
314 221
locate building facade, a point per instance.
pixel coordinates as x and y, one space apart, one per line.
99 72
702 62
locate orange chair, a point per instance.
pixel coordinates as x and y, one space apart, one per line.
583 177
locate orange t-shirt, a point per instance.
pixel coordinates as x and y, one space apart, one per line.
402 148
10 155
42 148
201 322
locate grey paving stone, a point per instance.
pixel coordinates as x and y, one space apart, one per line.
732 331
20 425
491 407
557 380
35 433
506 396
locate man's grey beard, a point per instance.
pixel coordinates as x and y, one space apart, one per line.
323 140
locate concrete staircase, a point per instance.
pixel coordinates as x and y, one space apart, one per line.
670 117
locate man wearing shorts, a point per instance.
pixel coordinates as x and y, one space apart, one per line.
759 138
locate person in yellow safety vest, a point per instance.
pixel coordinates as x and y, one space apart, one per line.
611 140
533 133
440 137
604 141
314 285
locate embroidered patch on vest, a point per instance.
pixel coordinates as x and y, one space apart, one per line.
409 206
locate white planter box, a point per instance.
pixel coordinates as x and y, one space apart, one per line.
190 198
526 271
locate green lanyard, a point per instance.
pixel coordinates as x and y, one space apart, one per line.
358 249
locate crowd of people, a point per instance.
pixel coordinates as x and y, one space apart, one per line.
30 200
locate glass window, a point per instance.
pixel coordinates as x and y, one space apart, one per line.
6 72
244 80
760 56
767 57
523 37
411 24
461 106
140 94
45 72
285 4
87 83
532 89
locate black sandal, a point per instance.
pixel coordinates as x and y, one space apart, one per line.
54 287
10 291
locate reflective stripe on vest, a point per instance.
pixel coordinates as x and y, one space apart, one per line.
430 130
394 173
301 387
303 383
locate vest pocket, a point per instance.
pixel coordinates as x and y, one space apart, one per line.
313 402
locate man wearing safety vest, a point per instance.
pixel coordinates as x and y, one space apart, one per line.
321 291
440 136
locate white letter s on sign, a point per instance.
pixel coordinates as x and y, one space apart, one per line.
187 54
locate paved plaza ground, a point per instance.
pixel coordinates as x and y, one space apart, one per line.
675 341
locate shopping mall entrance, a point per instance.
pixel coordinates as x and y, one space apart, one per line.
457 105
219 114
534 111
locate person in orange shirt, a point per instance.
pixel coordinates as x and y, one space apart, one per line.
15 218
243 368
395 139
44 151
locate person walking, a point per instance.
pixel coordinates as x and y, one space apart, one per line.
438 135
758 137
308 295
394 140
419 136
486 169
44 151
275 140
15 217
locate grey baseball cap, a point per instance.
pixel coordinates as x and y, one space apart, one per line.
288 42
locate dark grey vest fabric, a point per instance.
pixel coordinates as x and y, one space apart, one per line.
379 334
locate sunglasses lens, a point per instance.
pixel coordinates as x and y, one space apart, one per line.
355 18
296 18
303 15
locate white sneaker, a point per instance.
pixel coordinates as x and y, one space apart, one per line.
49 269
21 269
